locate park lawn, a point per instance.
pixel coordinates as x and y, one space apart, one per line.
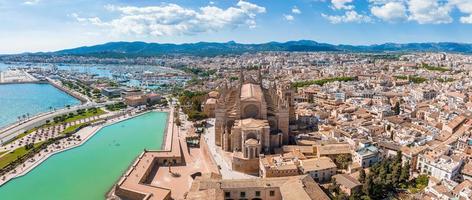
71 128
12 156
445 80
321 82
413 79
116 106
87 114
433 68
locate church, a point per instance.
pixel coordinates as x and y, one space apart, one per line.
252 120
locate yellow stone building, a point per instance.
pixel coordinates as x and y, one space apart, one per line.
252 119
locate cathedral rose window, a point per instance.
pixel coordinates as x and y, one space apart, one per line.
251 111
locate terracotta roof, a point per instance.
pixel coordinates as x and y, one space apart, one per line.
213 94
251 91
253 123
316 164
339 148
346 180
291 188
467 170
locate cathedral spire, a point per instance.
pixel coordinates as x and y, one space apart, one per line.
241 76
259 75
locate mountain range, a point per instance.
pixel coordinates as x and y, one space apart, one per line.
213 48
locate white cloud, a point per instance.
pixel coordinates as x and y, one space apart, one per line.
172 19
383 2
349 16
342 4
464 6
289 17
295 10
91 20
466 20
391 11
429 11
31 2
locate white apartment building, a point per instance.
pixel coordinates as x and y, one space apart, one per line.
440 167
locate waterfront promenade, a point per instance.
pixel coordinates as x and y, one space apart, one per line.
10 132
76 140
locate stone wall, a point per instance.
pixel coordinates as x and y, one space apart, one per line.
248 166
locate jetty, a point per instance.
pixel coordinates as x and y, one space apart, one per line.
17 76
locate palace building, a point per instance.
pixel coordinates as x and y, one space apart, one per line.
252 119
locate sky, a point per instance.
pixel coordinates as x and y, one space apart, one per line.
49 25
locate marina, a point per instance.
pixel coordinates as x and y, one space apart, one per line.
143 76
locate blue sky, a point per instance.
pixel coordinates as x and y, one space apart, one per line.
47 25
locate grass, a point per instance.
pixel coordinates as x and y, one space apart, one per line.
87 114
413 79
445 80
12 156
19 152
417 185
71 128
116 106
321 82
401 77
71 119
432 68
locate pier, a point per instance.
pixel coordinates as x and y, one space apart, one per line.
77 95
17 76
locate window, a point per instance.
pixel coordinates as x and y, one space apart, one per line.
227 194
258 193
243 194
272 193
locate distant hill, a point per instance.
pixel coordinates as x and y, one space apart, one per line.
213 48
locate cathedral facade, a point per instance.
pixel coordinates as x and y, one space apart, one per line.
252 120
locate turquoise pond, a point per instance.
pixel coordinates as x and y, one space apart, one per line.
20 99
89 171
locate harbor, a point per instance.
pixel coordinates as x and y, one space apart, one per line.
17 76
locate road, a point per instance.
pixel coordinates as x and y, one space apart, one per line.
12 131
